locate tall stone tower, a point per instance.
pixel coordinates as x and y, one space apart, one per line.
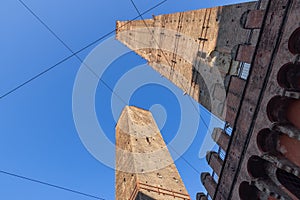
192 49
144 167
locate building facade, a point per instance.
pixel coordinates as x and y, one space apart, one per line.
262 154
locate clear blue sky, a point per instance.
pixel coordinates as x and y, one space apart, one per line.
38 135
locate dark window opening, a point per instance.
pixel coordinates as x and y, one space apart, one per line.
248 192
289 181
148 140
267 141
257 167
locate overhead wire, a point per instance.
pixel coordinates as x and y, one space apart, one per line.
56 36
54 66
73 54
50 185
67 46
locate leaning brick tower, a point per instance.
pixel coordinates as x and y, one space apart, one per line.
192 49
144 167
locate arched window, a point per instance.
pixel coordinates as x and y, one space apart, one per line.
284 109
248 192
289 181
279 144
257 167
294 42
288 76
267 141
276 109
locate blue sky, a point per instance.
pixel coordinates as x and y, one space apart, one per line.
38 135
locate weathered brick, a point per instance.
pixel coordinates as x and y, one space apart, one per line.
221 138
209 183
171 47
254 19
214 160
143 160
245 53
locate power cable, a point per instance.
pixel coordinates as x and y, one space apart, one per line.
65 45
73 54
58 38
52 67
50 185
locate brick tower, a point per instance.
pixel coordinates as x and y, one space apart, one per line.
192 49
144 167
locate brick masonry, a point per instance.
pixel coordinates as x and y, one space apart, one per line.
234 95
214 160
221 138
209 35
254 19
143 162
270 54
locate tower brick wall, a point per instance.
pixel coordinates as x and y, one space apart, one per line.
234 97
221 138
254 19
264 108
209 183
192 49
214 160
145 169
201 196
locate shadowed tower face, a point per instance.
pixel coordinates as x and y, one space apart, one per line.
192 49
144 167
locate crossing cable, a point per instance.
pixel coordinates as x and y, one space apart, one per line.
73 54
67 46
58 38
54 66
50 185
89 68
